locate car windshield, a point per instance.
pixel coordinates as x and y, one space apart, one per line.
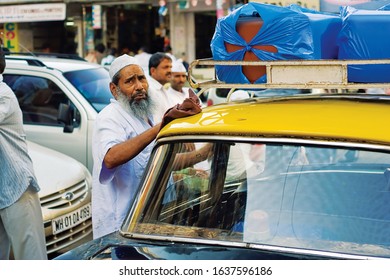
319 198
93 84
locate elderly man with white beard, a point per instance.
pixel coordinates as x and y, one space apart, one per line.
123 137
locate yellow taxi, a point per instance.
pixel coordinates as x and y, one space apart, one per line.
298 177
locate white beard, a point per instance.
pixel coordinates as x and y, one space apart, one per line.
140 109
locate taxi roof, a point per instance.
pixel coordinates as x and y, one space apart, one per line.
354 118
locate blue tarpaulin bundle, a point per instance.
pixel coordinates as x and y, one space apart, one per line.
365 34
287 30
294 32
325 28
297 33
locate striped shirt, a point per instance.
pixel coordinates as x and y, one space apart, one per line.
16 168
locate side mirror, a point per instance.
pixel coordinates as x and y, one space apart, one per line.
65 117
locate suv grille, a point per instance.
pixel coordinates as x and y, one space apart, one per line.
65 197
68 239
72 237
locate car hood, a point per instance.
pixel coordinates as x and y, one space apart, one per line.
54 170
116 247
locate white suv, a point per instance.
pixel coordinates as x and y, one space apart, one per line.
60 99
65 198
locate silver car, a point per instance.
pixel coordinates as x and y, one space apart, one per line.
60 99
65 199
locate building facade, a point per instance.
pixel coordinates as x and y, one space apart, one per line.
187 26
74 26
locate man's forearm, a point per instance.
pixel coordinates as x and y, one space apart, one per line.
125 151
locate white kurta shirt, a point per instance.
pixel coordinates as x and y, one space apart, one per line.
161 99
178 97
113 189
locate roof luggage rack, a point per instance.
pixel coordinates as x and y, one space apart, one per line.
30 61
294 74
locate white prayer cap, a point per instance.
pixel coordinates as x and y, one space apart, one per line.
239 95
178 67
121 62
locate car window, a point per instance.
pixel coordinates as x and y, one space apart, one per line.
39 98
93 84
297 196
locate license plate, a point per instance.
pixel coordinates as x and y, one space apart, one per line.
71 219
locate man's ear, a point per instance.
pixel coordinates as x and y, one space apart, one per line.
152 71
113 90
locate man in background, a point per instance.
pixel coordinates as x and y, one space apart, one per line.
160 66
96 55
168 51
109 58
177 91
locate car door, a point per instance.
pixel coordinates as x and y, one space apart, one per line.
40 95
